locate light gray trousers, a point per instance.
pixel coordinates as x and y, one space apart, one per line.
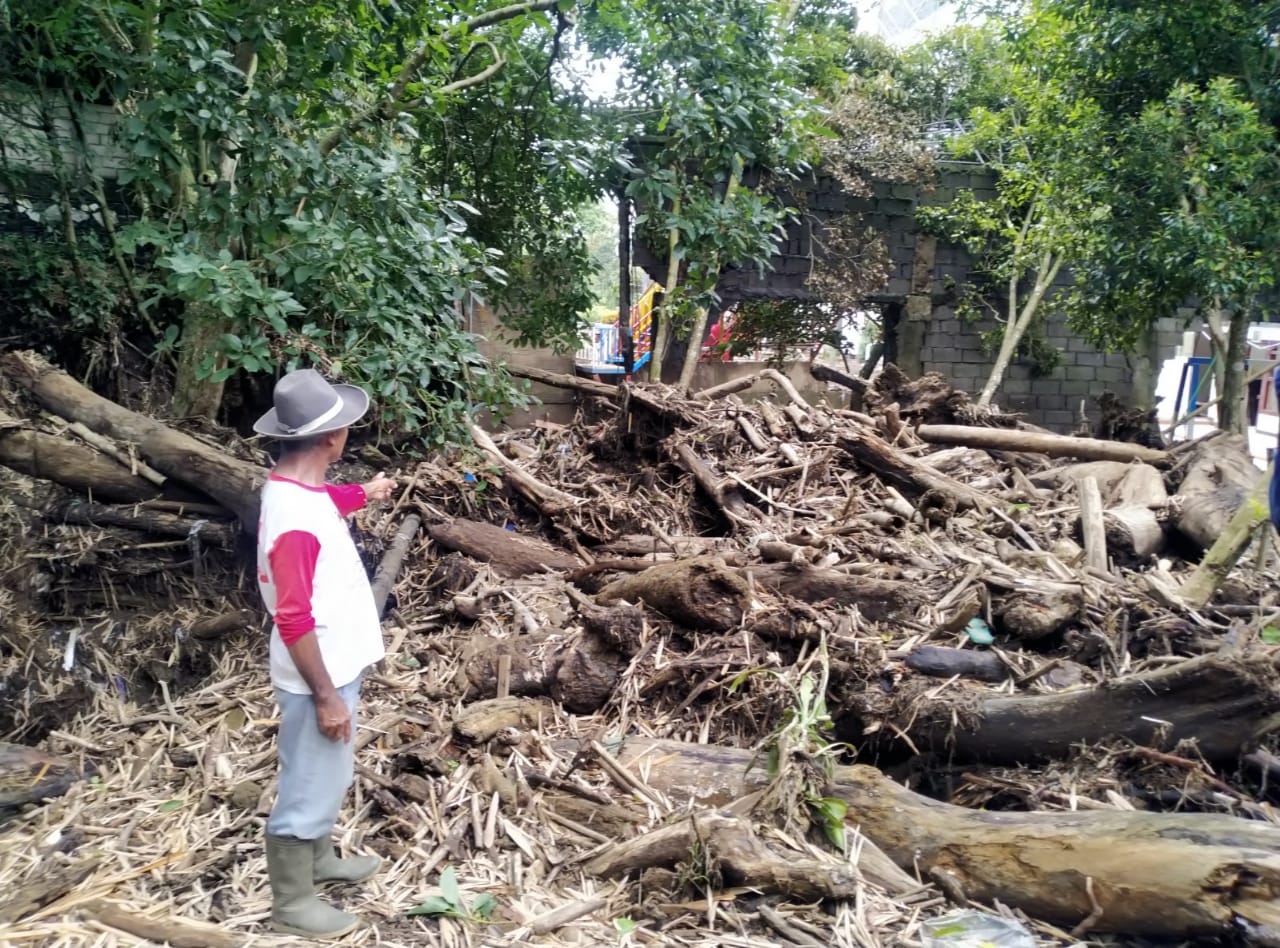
315 772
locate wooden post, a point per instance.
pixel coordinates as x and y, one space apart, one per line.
624 284
1095 535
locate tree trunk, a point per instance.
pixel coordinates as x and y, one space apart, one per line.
510 554
1053 445
28 775
1232 414
146 521
700 593
877 599
231 482
1218 477
892 465
69 463
202 328
1224 704
1133 533
662 316
1252 513
1019 319
1157 874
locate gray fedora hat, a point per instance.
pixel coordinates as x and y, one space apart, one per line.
307 405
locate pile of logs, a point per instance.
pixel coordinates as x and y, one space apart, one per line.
979 592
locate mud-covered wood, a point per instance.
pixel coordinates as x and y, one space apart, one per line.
942 662
70 463
1157 874
877 455
1224 704
233 483
580 671
389 568
700 593
481 721
877 599
510 554
1034 614
1218 473
29 775
729 845
1052 445
147 521
1133 533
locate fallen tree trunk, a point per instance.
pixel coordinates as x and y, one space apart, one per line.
389 568
1219 475
1132 532
1132 872
1053 445
877 599
69 463
548 499
1224 704
556 379
231 482
510 554
1252 514
144 520
700 593
881 457
729 845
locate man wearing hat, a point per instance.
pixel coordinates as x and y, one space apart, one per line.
325 633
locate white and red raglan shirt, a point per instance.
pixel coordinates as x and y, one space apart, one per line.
312 580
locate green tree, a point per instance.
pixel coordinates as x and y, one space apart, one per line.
299 175
1042 216
1184 161
710 94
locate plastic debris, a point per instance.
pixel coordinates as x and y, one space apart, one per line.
979 632
970 929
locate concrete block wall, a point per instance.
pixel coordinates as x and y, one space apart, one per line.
28 146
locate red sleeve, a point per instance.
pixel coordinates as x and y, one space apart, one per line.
293 568
348 498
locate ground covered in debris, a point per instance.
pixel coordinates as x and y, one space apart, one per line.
599 628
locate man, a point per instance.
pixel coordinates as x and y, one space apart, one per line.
326 633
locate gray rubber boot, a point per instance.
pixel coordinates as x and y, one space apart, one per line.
330 867
295 909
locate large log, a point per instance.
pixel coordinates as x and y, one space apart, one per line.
882 458
1225 704
70 463
231 482
510 554
700 593
1053 445
147 521
1219 473
389 568
1133 872
877 599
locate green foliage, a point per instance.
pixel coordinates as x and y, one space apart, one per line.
800 754
277 201
450 902
53 300
710 95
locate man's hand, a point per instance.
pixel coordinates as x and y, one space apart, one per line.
379 488
332 718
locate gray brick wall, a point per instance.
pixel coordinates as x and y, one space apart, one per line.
28 146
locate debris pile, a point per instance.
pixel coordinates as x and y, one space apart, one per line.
689 670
